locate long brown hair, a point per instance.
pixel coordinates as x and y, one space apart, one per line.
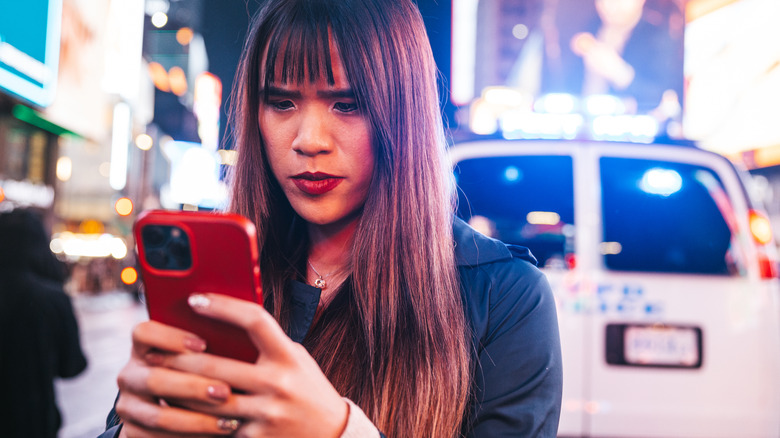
395 340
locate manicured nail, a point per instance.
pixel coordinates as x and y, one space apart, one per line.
218 392
195 344
228 424
199 301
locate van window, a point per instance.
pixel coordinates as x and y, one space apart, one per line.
523 200
666 217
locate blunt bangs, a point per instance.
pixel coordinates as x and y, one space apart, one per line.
299 37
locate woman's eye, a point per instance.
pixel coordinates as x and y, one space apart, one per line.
345 107
282 105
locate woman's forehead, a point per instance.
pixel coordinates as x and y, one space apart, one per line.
296 61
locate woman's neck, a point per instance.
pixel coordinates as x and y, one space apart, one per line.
330 252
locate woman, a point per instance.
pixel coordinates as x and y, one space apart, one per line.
407 324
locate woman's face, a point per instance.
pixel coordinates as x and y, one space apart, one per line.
318 143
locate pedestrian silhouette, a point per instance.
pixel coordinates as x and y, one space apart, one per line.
39 337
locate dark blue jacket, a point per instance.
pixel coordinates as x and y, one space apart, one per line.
518 380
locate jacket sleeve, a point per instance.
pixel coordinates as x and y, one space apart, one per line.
518 376
113 422
111 433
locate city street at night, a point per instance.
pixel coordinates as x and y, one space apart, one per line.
435 218
105 323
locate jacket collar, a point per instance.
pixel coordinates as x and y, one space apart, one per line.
473 248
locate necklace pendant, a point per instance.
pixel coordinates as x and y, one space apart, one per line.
320 283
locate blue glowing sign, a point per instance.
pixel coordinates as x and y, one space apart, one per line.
29 48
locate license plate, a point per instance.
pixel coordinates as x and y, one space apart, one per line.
662 346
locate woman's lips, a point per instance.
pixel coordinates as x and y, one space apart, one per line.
316 183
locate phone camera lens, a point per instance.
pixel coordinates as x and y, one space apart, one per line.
157 258
167 247
153 235
180 250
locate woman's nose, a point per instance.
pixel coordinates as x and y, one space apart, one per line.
313 137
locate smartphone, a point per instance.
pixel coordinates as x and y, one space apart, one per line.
185 252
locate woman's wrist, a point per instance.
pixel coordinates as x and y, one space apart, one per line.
358 424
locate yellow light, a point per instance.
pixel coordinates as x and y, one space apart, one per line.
123 206
543 218
144 142
766 157
91 226
178 80
610 248
129 275
2 195
64 168
760 228
184 36
159 76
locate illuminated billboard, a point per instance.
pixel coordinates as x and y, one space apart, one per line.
629 49
29 48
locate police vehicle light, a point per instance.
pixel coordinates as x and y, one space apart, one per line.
504 96
512 174
624 127
604 105
659 181
521 124
556 103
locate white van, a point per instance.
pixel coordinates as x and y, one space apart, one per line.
665 276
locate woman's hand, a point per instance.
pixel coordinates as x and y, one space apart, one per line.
283 394
149 395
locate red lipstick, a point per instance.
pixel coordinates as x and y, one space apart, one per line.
316 183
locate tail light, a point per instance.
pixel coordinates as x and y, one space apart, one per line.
571 260
761 230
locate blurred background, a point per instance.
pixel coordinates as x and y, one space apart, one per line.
112 107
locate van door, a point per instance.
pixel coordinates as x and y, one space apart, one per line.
529 200
686 333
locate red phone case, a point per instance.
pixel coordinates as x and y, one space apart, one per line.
224 255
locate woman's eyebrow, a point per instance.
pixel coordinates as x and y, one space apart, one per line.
280 92
344 93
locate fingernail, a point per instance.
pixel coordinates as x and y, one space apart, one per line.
199 301
228 424
154 358
195 344
218 392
